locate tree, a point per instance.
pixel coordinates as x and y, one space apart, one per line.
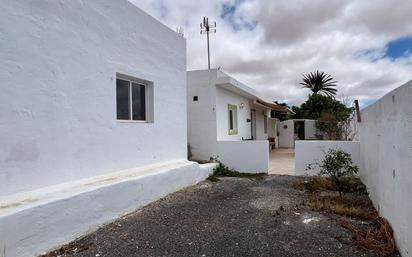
333 117
320 82
329 125
338 165
316 104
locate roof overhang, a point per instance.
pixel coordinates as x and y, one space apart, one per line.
273 106
232 85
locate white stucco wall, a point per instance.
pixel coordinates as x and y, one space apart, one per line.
58 65
272 127
208 117
201 114
307 152
260 130
386 160
223 98
245 156
286 135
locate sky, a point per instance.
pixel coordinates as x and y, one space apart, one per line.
268 44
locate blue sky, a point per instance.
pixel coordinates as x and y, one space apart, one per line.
399 47
269 44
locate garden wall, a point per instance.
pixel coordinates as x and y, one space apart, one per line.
245 156
386 160
307 152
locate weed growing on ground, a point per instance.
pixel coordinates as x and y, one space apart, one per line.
223 171
347 206
355 204
315 185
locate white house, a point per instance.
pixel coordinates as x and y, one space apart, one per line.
296 129
228 120
93 119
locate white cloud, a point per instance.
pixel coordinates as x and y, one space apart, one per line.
344 38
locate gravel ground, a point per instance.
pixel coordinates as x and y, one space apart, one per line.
232 217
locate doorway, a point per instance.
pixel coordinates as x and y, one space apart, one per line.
253 124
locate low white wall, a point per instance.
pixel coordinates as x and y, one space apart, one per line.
386 160
307 152
57 215
245 156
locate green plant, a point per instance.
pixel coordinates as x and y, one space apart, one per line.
223 171
316 104
338 165
320 82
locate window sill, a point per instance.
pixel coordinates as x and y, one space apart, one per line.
133 121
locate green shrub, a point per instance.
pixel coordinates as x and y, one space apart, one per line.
223 171
338 165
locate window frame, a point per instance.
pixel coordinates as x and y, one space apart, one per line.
146 92
235 130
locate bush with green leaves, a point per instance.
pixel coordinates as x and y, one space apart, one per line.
222 170
338 165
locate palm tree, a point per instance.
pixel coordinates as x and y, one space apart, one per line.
320 82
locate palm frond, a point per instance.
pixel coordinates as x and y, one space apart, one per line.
319 82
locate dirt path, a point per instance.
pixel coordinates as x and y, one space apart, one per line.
232 217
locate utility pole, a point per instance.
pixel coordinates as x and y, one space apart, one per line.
206 28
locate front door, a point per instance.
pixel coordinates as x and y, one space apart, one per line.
253 124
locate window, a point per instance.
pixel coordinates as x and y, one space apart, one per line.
232 115
131 100
195 98
265 124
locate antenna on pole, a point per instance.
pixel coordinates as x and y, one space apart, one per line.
206 28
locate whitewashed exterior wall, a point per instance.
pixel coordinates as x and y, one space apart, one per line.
223 98
245 156
286 134
260 115
272 127
307 152
208 120
386 160
201 118
66 164
58 64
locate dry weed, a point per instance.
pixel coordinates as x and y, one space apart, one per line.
378 238
347 206
315 185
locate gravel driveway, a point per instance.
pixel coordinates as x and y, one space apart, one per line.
232 217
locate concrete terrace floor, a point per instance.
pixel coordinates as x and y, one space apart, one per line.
282 161
231 217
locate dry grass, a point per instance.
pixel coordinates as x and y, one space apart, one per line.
378 238
349 206
318 184
322 196
315 185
